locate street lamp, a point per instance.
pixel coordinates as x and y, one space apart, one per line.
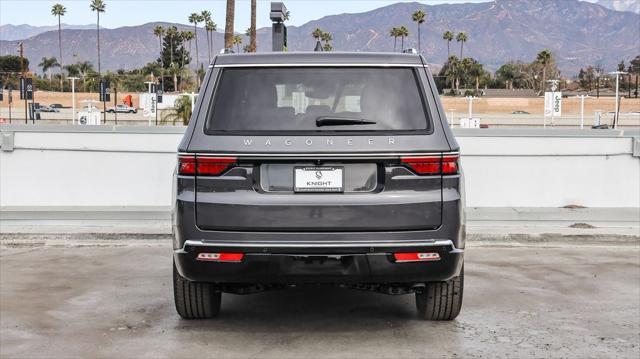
617 110
73 98
582 97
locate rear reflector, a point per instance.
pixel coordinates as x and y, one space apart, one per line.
432 165
220 257
416 257
191 165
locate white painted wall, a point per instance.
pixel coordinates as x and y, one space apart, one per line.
71 167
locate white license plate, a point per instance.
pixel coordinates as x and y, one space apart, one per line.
318 179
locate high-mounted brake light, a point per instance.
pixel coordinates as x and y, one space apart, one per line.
203 165
432 165
416 257
220 257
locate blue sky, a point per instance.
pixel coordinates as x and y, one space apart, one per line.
136 12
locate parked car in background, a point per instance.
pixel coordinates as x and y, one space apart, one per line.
318 168
122 108
56 105
520 112
46 108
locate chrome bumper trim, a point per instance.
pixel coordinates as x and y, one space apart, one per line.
419 243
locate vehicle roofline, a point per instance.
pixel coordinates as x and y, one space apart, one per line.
317 58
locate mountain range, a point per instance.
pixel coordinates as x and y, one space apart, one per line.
20 32
578 33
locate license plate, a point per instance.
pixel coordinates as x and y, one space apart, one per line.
318 179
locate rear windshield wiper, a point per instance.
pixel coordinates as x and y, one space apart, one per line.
341 121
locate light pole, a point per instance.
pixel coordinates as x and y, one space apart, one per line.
582 97
616 113
470 98
73 98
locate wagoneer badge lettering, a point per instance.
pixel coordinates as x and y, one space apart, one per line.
310 141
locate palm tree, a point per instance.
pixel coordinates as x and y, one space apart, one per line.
181 111
188 36
403 32
461 38
210 27
453 72
326 37
228 24
84 69
47 64
194 19
98 6
544 58
419 16
394 33
237 40
72 70
159 32
448 37
205 16
476 71
59 11
173 37
317 35
253 46
465 67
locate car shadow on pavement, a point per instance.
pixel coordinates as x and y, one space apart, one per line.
326 309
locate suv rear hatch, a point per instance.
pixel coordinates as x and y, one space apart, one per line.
318 150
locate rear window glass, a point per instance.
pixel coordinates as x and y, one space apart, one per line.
317 99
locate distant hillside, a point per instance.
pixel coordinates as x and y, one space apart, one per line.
577 32
20 32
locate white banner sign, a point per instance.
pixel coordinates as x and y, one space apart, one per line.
553 103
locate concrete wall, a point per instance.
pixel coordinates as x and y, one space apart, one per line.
65 166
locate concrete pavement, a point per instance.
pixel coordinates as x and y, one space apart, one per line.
116 301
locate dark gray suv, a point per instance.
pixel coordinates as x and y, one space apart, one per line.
318 168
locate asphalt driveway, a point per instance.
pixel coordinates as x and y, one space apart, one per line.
116 301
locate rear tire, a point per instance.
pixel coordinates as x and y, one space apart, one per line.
441 300
195 300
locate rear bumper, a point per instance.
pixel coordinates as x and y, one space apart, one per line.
319 262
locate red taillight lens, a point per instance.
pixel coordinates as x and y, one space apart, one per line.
187 164
450 164
205 166
432 165
220 257
423 165
416 257
213 166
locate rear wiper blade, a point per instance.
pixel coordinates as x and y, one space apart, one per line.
341 121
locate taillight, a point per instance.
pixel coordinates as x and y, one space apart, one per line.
203 165
450 164
187 164
416 257
220 257
432 165
213 166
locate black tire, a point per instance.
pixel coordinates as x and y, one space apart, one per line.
195 300
441 300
